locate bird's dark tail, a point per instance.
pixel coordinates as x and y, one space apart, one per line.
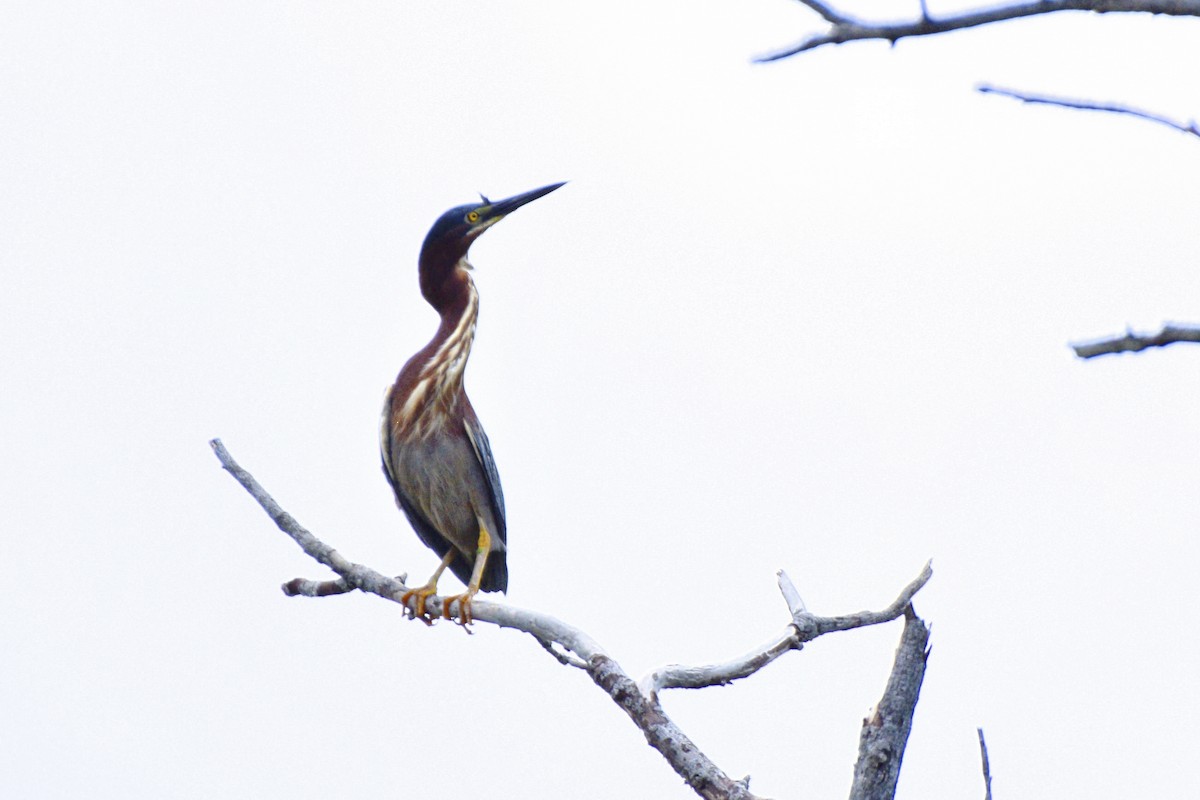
495 574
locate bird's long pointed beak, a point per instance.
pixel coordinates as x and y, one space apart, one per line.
501 208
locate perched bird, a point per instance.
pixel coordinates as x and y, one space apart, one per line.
435 453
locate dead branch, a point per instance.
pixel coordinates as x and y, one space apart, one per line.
573 647
1088 105
1132 342
845 28
804 627
987 768
885 732
678 676
304 587
581 650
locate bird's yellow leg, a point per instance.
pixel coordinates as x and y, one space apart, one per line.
464 600
430 588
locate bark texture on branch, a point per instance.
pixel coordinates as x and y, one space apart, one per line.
885 733
664 735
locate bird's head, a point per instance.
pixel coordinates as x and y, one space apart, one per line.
444 253
451 236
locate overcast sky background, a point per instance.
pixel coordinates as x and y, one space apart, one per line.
811 315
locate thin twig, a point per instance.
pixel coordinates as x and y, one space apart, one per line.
987 768
830 14
564 658
1090 105
844 28
1132 342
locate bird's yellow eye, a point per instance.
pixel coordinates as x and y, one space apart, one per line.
472 217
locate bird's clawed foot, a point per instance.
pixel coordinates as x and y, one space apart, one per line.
425 592
464 607
422 594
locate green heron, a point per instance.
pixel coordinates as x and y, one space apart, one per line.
435 453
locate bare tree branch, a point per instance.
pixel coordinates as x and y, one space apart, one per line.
678 676
663 735
804 627
572 647
564 658
306 588
810 627
845 28
987 768
581 650
1132 342
795 603
885 733
1088 105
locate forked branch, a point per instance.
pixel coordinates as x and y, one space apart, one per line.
804 627
573 647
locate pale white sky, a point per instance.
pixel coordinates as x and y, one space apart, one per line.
811 316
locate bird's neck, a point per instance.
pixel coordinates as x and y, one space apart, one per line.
455 335
434 379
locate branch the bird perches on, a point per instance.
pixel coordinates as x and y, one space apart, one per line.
886 731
